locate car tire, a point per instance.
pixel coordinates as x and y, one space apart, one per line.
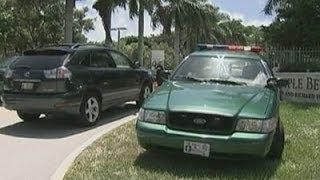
90 110
145 91
277 145
28 117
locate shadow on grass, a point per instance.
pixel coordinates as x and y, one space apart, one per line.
180 165
301 106
57 127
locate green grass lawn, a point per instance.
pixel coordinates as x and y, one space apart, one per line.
118 156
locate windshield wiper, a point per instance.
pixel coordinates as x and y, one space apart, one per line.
22 67
221 81
192 78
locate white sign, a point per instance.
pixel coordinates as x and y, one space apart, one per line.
302 87
157 56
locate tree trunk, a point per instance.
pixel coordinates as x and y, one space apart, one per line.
106 20
167 32
141 34
68 21
176 43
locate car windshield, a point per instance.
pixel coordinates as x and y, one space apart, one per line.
223 70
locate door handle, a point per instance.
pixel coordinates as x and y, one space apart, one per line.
98 73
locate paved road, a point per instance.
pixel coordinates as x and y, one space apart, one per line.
34 151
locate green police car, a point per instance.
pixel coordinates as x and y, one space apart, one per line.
220 101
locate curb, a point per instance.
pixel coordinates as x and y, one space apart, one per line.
67 162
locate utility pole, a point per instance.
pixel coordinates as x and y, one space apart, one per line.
119 29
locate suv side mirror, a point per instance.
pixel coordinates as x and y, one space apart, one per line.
137 64
277 82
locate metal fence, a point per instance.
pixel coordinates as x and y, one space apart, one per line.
297 59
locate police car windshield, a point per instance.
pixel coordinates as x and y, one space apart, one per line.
216 69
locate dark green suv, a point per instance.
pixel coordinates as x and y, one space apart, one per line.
72 80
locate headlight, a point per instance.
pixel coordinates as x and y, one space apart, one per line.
141 114
8 73
152 116
257 125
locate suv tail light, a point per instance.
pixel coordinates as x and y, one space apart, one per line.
8 73
58 73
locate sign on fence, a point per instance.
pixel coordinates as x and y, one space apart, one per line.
303 87
157 57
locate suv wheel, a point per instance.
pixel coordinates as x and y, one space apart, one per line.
144 93
27 116
277 145
90 110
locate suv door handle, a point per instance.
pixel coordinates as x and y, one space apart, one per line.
98 73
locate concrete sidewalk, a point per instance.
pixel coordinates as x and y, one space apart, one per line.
34 151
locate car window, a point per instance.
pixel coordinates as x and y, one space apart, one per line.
101 59
39 61
81 58
120 60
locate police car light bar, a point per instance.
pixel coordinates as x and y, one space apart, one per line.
229 47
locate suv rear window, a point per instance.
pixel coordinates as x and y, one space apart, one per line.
39 62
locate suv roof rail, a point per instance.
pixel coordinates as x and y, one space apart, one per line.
76 46
70 46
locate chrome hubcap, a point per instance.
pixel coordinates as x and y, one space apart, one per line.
92 109
147 92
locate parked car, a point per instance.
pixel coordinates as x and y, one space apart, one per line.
72 80
220 101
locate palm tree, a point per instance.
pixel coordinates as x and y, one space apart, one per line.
235 32
137 8
162 15
205 30
272 5
179 14
105 9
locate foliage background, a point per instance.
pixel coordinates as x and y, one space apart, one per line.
27 24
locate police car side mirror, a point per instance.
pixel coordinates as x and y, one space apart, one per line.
282 82
277 82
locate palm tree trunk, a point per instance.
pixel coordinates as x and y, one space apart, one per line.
106 19
68 21
141 34
176 43
167 33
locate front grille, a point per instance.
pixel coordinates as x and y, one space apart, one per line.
201 123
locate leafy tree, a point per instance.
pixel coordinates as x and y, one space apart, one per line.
296 24
81 25
26 24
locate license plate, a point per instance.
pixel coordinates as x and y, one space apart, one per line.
27 86
196 148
